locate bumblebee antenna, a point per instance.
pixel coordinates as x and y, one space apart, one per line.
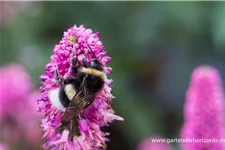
92 52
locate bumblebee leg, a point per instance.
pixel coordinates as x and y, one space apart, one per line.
84 62
74 62
58 79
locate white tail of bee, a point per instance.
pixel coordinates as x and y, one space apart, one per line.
54 98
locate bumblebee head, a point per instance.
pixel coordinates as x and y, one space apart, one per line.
95 76
94 69
95 64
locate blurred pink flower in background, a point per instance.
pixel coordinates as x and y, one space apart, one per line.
3 147
149 144
9 10
16 85
19 118
97 115
204 110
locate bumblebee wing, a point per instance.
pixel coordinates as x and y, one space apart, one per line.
77 105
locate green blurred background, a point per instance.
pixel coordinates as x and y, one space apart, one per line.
154 46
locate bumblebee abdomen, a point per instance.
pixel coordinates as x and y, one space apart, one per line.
64 100
70 91
66 94
61 97
55 98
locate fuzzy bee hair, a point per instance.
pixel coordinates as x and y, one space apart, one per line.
60 97
78 92
94 72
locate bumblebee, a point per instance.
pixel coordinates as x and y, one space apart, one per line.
79 91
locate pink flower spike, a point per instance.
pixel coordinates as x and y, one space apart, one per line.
84 131
16 85
3 147
19 116
153 143
204 111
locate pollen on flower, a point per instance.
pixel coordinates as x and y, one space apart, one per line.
72 39
84 131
